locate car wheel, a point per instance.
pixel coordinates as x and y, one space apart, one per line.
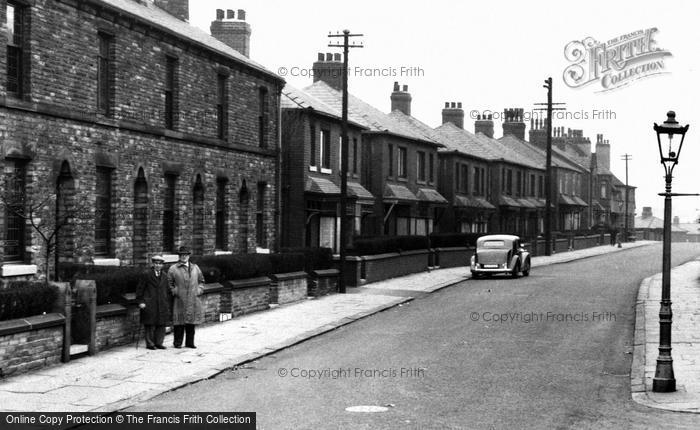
526 270
516 270
476 275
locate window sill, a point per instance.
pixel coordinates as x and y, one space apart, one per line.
105 261
402 179
313 168
170 258
326 171
223 252
18 270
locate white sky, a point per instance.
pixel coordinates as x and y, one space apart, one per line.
490 58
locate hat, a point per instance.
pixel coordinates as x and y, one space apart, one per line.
183 250
158 258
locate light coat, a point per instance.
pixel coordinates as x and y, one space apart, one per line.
186 288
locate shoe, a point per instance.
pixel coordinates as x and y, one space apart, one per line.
191 346
150 347
161 347
177 346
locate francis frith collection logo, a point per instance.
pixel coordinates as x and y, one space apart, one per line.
615 63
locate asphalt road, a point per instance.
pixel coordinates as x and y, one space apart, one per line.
552 350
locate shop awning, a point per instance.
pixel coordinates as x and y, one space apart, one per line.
357 191
571 200
509 201
393 192
580 201
527 203
321 186
472 202
431 196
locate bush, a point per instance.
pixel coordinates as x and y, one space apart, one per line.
387 244
314 258
451 240
113 282
21 299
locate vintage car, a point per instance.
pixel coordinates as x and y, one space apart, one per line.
500 253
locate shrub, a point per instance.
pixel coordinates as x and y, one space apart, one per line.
113 282
314 258
21 299
387 244
450 240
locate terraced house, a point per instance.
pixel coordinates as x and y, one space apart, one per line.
164 133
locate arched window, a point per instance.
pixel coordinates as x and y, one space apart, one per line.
65 211
244 200
198 218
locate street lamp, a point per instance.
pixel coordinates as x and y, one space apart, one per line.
664 380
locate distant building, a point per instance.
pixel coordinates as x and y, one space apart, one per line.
649 227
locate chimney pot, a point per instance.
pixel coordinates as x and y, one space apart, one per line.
219 14
447 104
405 88
241 14
329 56
396 86
321 56
337 57
230 14
453 105
459 105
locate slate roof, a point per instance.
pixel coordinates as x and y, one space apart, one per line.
365 114
456 139
155 16
527 149
294 98
653 223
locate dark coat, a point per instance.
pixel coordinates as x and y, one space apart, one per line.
154 292
186 287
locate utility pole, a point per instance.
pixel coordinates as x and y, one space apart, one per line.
626 157
548 167
344 153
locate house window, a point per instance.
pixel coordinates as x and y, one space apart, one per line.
170 92
403 161
519 184
477 181
391 160
15 15
464 177
312 149
103 211
222 107
198 217
325 149
340 154
261 235
421 166
221 211
509 182
354 155
15 198
262 116
532 185
169 213
540 186
431 168
603 190
105 74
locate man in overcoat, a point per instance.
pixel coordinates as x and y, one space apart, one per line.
186 285
153 297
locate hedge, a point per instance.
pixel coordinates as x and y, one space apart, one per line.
21 299
387 244
113 282
314 258
451 240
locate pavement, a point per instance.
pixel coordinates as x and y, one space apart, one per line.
122 377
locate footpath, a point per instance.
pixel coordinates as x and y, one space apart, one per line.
126 376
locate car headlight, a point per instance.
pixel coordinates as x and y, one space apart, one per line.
504 266
473 260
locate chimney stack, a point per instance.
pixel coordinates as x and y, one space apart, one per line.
602 148
646 212
514 122
329 69
231 31
484 124
401 99
453 113
676 220
177 8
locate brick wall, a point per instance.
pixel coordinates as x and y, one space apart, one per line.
248 295
116 325
30 343
385 266
57 121
323 282
211 301
288 287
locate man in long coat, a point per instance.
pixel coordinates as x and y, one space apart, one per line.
153 296
186 281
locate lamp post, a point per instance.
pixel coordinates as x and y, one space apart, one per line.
664 380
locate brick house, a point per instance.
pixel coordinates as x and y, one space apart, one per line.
400 168
311 143
169 135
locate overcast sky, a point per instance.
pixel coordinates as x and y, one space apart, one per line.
493 57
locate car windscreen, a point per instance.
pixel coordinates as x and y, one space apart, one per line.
493 244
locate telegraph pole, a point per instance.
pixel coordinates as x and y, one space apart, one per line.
548 167
344 153
626 158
